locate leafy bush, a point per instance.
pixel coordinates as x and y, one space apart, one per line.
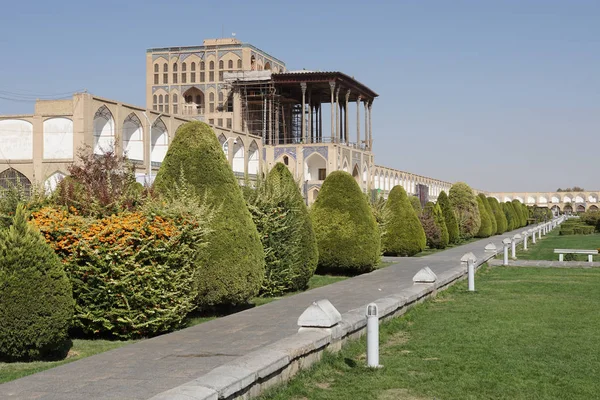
416 204
36 306
591 218
485 230
99 185
434 226
449 217
286 231
466 210
511 218
521 217
498 212
234 266
404 235
133 273
347 233
490 213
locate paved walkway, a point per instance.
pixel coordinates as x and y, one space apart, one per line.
547 264
149 367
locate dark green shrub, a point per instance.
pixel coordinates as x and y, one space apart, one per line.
347 234
518 207
416 204
526 214
466 210
511 218
498 212
36 302
490 213
591 218
286 231
404 235
234 266
434 226
449 217
485 230
566 232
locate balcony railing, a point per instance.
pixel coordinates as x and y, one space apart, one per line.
192 109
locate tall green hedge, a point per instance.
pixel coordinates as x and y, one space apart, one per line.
498 213
466 210
347 234
526 213
286 231
449 217
434 226
485 230
404 235
511 218
517 207
416 204
490 212
36 301
235 260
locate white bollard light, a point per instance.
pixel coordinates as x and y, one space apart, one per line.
525 234
471 268
533 235
540 233
372 336
506 243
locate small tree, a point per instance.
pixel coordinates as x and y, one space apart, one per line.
235 260
36 303
347 234
465 207
404 235
449 217
485 230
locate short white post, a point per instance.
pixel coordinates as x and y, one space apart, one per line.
560 257
533 236
506 242
471 268
540 233
525 234
590 258
513 244
372 336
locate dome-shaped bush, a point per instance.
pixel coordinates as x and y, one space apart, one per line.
235 262
498 212
286 231
490 212
404 234
36 302
449 217
485 230
466 210
347 234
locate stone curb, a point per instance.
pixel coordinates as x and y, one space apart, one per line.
249 375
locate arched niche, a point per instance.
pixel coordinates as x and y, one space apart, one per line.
58 138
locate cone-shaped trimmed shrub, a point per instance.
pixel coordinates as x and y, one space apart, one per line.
485 230
36 302
434 226
416 204
404 234
525 213
465 208
498 213
488 209
286 231
511 219
449 217
235 261
517 207
347 234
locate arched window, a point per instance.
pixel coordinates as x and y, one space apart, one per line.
198 99
220 97
155 67
166 67
221 64
10 178
154 99
160 98
193 66
193 73
174 97
183 67
230 64
212 65
239 64
166 99
286 160
174 67
211 96
202 66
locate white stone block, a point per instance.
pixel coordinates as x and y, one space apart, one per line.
517 237
320 314
468 257
490 248
506 241
425 275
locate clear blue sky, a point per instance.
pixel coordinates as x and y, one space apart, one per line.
504 95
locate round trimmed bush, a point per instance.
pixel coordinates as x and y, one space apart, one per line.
404 234
36 302
485 230
286 231
449 217
498 212
347 234
490 213
466 210
234 263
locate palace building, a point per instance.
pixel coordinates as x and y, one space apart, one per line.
312 121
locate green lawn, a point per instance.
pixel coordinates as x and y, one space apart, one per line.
525 334
544 249
84 348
